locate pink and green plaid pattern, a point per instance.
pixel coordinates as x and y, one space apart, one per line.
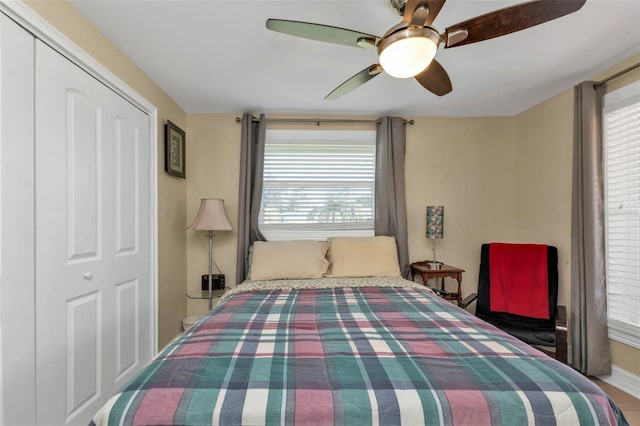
353 356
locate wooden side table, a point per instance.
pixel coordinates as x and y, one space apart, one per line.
445 271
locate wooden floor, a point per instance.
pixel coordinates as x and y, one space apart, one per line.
629 405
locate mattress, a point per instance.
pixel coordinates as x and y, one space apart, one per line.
355 351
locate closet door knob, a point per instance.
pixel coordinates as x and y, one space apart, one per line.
88 275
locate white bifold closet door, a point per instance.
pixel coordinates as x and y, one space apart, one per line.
92 242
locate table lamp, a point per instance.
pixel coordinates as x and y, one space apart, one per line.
211 217
435 229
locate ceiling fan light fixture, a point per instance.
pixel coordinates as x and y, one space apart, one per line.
407 52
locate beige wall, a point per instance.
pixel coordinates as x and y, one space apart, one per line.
214 160
466 165
544 141
214 156
171 191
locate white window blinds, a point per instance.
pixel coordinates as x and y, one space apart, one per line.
318 184
621 128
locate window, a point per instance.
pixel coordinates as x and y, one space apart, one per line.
621 142
318 184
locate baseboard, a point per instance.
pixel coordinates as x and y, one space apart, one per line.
623 380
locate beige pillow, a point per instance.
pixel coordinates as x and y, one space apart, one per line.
363 257
249 258
282 260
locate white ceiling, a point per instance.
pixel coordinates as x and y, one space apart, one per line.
217 56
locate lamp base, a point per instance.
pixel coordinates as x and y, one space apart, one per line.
435 265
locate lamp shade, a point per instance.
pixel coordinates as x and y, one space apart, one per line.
211 216
435 221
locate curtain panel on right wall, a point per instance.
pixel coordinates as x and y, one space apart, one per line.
591 354
605 224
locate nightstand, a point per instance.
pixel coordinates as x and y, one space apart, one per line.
204 294
444 271
215 295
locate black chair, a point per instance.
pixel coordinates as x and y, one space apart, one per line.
547 335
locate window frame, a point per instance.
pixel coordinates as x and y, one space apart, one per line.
319 231
620 331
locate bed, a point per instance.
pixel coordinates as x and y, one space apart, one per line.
352 351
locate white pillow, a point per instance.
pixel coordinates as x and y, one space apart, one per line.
282 260
363 257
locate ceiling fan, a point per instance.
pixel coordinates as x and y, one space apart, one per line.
408 49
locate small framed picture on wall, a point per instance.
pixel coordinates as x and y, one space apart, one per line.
174 150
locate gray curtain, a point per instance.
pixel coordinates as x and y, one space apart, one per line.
591 354
251 166
391 204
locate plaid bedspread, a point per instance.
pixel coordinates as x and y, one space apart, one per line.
358 355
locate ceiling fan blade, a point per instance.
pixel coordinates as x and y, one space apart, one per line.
435 79
324 33
354 82
509 20
422 12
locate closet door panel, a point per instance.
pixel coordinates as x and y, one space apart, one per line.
16 223
127 186
83 348
92 254
127 328
130 257
71 277
84 121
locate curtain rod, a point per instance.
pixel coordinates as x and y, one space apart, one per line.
322 120
616 75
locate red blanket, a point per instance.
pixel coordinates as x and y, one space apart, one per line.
519 279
